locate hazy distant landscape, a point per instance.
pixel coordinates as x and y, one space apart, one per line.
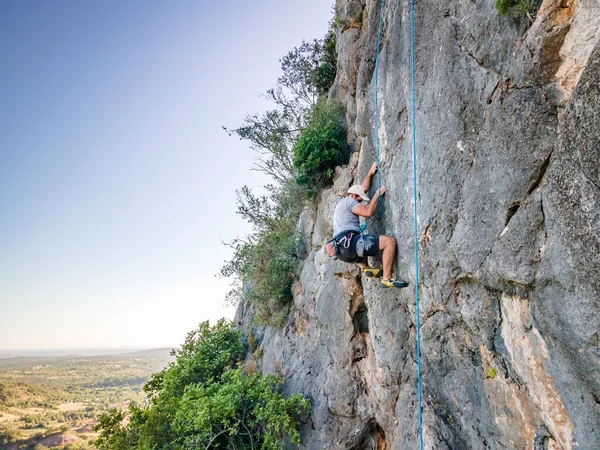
63 352
54 401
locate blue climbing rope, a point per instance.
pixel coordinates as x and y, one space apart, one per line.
415 219
363 227
375 94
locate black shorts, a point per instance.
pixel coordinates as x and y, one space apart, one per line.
347 251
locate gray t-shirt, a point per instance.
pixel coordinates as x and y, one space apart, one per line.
344 217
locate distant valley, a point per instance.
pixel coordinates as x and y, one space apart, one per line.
54 401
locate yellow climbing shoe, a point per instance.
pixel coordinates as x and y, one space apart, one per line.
369 272
392 282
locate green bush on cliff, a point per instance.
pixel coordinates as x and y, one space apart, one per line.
204 356
323 75
205 400
322 146
244 411
503 6
522 8
274 264
299 143
266 261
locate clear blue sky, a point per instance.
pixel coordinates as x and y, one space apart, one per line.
117 183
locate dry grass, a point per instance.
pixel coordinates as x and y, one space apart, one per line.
250 366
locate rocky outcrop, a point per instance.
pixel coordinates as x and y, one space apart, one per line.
508 137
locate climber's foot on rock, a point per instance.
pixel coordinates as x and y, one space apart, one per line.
392 282
369 272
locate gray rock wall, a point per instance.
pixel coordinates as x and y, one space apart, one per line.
508 137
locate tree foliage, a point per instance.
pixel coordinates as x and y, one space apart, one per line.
322 146
308 73
204 400
204 356
287 140
519 8
309 70
266 261
242 412
323 75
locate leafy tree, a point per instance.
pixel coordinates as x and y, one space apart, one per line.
244 411
112 434
300 67
266 261
322 146
323 75
272 136
308 73
204 400
203 357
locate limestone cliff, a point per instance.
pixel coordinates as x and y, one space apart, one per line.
508 137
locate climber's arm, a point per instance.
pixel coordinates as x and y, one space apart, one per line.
367 183
368 210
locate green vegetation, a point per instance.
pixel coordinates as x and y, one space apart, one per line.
205 400
267 260
322 75
450 419
503 6
322 146
345 24
519 8
244 411
299 143
46 398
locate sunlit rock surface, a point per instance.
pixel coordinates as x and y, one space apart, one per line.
508 138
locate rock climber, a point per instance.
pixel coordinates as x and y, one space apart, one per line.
351 243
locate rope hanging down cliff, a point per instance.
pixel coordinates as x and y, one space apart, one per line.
364 226
415 219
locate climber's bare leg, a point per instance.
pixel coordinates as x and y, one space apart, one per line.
388 245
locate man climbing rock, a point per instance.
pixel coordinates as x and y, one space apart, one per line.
352 246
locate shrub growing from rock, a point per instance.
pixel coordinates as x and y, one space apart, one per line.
322 146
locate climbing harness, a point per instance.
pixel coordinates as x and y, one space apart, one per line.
346 240
343 240
415 218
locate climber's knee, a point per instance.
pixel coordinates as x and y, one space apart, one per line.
386 242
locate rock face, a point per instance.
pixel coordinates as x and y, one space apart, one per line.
508 141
